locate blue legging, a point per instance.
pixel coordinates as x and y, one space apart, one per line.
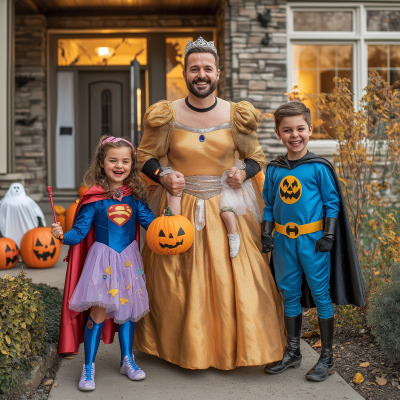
126 333
292 258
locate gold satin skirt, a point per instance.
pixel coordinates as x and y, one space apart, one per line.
206 309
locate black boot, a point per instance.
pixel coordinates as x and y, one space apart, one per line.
292 356
324 366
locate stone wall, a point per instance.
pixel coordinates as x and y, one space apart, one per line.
256 72
30 104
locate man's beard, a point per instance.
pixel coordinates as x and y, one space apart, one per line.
202 94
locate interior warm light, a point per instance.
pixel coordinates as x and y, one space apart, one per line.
139 109
103 51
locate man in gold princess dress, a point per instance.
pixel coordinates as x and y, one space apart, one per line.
207 309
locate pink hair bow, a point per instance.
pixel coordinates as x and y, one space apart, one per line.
117 139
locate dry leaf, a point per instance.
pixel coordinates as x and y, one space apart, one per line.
318 344
306 312
372 383
358 378
375 371
54 384
364 364
69 358
381 381
307 334
48 382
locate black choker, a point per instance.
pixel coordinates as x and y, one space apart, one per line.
200 109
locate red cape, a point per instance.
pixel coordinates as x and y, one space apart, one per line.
72 325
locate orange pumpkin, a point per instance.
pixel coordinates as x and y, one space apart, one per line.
9 252
82 190
69 216
170 234
39 248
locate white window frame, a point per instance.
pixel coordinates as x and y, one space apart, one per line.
360 37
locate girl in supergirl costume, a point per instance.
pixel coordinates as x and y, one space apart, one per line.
112 283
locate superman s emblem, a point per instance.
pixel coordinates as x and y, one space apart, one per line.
119 213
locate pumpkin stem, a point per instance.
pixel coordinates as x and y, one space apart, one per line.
1 235
168 212
40 222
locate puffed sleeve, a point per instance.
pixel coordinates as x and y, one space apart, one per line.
81 226
158 123
244 121
144 215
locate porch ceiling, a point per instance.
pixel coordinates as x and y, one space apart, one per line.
60 7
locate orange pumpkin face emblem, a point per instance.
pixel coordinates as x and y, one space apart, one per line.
119 213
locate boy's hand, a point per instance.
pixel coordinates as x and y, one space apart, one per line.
325 244
266 238
56 230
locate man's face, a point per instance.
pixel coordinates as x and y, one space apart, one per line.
201 74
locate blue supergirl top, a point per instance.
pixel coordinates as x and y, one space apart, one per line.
301 195
113 221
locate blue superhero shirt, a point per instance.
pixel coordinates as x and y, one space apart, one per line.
301 195
113 221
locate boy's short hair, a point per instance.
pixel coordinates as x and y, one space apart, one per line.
201 50
292 109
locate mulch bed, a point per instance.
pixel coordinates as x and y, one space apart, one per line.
354 347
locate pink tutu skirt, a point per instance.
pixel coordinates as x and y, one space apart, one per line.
114 281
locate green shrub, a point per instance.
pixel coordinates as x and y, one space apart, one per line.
52 299
384 314
22 329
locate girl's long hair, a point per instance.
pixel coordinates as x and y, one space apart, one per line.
95 175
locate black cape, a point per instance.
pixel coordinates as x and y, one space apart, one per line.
346 283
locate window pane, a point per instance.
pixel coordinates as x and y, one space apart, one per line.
176 86
345 56
377 56
305 56
323 21
326 80
394 56
102 51
304 21
383 21
326 56
394 76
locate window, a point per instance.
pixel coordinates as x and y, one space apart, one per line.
386 60
101 51
328 39
176 86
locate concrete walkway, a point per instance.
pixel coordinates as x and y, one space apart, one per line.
168 381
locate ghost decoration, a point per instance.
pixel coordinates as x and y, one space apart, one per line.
18 213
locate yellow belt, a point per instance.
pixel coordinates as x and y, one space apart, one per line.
293 231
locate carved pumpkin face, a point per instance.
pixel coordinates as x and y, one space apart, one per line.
170 234
290 189
39 249
9 253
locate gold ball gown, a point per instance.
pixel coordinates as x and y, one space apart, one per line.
206 309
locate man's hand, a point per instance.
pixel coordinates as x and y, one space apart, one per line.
236 177
174 182
267 239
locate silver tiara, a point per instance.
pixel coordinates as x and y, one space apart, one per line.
200 42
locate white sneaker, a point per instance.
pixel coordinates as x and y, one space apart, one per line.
86 383
133 372
234 244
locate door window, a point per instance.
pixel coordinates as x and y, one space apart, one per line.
385 58
176 86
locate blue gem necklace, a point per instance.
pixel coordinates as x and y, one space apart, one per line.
202 138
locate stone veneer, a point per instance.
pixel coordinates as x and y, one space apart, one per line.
255 72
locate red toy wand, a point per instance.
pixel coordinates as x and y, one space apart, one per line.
50 192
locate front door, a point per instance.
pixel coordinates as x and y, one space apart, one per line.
104 108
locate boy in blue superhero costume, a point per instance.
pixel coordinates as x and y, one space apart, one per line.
312 240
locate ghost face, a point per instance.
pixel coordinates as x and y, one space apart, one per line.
17 189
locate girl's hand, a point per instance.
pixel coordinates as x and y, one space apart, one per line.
56 230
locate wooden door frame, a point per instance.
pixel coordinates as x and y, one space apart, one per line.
156 79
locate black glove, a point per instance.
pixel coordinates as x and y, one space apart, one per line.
325 244
266 239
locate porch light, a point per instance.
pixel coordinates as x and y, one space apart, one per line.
103 51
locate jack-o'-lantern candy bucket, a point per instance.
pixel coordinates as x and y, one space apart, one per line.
170 234
39 248
9 252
